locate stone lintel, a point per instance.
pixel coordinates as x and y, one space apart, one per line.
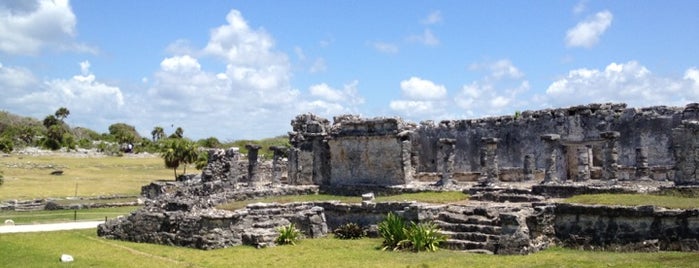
447 141
490 140
252 146
610 135
550 137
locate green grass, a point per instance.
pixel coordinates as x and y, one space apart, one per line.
53 216
43 250
428 197
27 177
667 201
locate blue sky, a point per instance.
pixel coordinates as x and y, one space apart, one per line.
244 69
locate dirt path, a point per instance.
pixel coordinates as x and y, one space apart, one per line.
6 229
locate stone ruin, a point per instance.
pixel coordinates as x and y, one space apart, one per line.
512 167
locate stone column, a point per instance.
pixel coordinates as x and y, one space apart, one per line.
610 166
406 159
253 176
642 169
685 139
583 153
446 161
529 167
279 152
233 154
293 168
550 148
490 160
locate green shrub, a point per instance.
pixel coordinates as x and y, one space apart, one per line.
288 235
349 231
392 230
417 237
423 237
2 179
6 145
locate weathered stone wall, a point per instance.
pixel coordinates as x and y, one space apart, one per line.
647 127
686 147
369 151
309 159
627 228
366 160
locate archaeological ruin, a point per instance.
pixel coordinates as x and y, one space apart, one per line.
514 169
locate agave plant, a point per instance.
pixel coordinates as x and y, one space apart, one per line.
349 231
288 235
423 237
393 231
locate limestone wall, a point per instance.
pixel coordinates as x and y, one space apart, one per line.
627 228
639 127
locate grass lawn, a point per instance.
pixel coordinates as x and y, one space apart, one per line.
668 201
52 216
428 197
28 177
44 249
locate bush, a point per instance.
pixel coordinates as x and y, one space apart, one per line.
349 231
6 145
392 230
423 237
416 237
2 179
288 235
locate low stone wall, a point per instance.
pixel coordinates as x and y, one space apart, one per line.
642 228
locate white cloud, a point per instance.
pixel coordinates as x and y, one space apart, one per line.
423 98
499 69
628 82
580 7
417 88
497 92
87 98
27 28
333 101
587 33
426 38
180 64
384 47
433 18
318 66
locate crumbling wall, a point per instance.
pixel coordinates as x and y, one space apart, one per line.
645 127
644 228
309 159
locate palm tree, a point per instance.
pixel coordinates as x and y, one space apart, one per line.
62 113
178 152
171 160
158 133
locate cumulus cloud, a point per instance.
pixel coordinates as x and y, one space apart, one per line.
426 38
587 33
318 66
26 27
422 98
327 101
384 47
86 97
433 18
497 92
420 89
628 82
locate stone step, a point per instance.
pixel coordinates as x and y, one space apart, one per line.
455 244
507 197
468 228
470 211
470 219
468 236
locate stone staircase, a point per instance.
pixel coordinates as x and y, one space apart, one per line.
474 229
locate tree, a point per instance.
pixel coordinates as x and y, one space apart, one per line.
157 133
50 120
124 133
179 133
210 142
176 152
62 113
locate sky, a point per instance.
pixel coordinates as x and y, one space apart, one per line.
244 69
